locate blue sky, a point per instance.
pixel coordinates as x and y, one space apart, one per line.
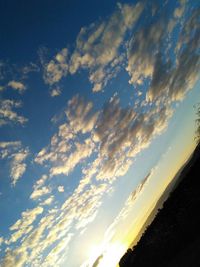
96 116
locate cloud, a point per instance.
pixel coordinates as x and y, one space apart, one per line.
122 133
19 86
67 148
97 49
40 182
48 201
169 79
7 115
40 192
127 208
179 11
52 232
61 189
55 92
115 135
80 115
7 148
57 68
60 145
23 225
18 166
141 52
16 154
82 151
105 140
62 152
1 240
54 255
98 45
30 67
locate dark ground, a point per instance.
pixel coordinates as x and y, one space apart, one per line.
173 238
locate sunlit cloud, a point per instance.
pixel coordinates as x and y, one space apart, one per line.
97 49
23 226
18 165
16 85
61 189
55 92
48 201
37 193
14 152
56 68
7 113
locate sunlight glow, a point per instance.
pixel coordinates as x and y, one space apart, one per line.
108 256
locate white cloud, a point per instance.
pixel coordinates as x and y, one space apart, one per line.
56 68
7 148
24 225
7 115
80 115
98 45
48 201
40 192
97 49
60 145
40 182
61 189
18 165
82 151
16 154
16 85
55 92
10 144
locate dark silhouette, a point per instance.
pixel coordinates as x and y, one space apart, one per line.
173 238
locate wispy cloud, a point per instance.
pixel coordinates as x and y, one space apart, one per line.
40 189
127 207
18 165
8 115
16 154
24 224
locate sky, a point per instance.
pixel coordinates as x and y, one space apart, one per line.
97 115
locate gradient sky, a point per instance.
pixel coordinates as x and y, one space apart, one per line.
97 114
